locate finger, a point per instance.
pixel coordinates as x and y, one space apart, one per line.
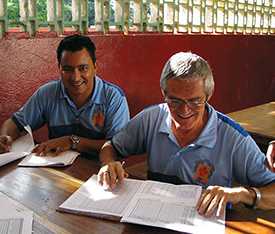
3 147
5 144
37 149
121 175
272 158
212 206
46 150
9 142
107 180
201 201
221 207
57 152
100 177
270 155
113 176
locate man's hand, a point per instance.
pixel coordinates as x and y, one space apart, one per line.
5 143
58 145
270 154
111 174
217 197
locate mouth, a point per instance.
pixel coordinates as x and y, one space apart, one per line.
185 117
78 83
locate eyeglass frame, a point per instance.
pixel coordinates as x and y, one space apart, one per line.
180 103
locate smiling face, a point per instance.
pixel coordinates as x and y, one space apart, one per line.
186 119
77 72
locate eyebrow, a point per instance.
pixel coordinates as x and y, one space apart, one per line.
81 65
191 99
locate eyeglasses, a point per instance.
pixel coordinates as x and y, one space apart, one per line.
175 103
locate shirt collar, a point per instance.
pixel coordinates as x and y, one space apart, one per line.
209 134
166 122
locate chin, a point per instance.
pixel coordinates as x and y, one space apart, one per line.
182 126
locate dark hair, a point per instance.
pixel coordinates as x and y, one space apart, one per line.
75 43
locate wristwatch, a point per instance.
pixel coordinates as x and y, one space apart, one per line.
75 140
256 201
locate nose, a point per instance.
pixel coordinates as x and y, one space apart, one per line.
75 75
184 109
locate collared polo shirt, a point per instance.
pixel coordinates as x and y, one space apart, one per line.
101 118
223 152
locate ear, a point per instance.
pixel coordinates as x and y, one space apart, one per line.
163 93
95 66
211 94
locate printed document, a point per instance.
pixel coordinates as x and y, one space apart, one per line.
144 202
23 146
12 221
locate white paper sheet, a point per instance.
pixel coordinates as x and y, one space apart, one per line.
16 222
12 221
94 200
21 147
5 205
144 202
62 159
11 156
24 143
171 213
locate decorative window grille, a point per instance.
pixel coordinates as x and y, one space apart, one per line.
143 16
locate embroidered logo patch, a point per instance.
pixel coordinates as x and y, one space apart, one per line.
98 119
204 170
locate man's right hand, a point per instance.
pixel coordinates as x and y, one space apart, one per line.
110 174
5 143
270 155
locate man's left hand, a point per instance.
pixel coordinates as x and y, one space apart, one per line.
57 145
217 197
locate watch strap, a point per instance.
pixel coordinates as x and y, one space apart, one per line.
75 141
257 199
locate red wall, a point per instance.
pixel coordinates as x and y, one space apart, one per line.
243 67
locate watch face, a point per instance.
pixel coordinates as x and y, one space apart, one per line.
75 138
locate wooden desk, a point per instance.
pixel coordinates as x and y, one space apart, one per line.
258 121
42 190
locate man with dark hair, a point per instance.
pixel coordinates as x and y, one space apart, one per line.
81 111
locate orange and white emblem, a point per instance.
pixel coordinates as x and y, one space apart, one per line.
98 119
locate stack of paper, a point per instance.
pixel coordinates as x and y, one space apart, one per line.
12 221
144 202
23 146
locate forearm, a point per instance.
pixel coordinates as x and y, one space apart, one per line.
267 201
9 128
90 146
107 154
268 197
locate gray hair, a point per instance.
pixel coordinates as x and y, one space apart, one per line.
187 66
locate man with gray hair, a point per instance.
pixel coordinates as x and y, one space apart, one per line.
188 141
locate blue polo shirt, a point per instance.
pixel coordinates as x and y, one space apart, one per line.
100 118
223 152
